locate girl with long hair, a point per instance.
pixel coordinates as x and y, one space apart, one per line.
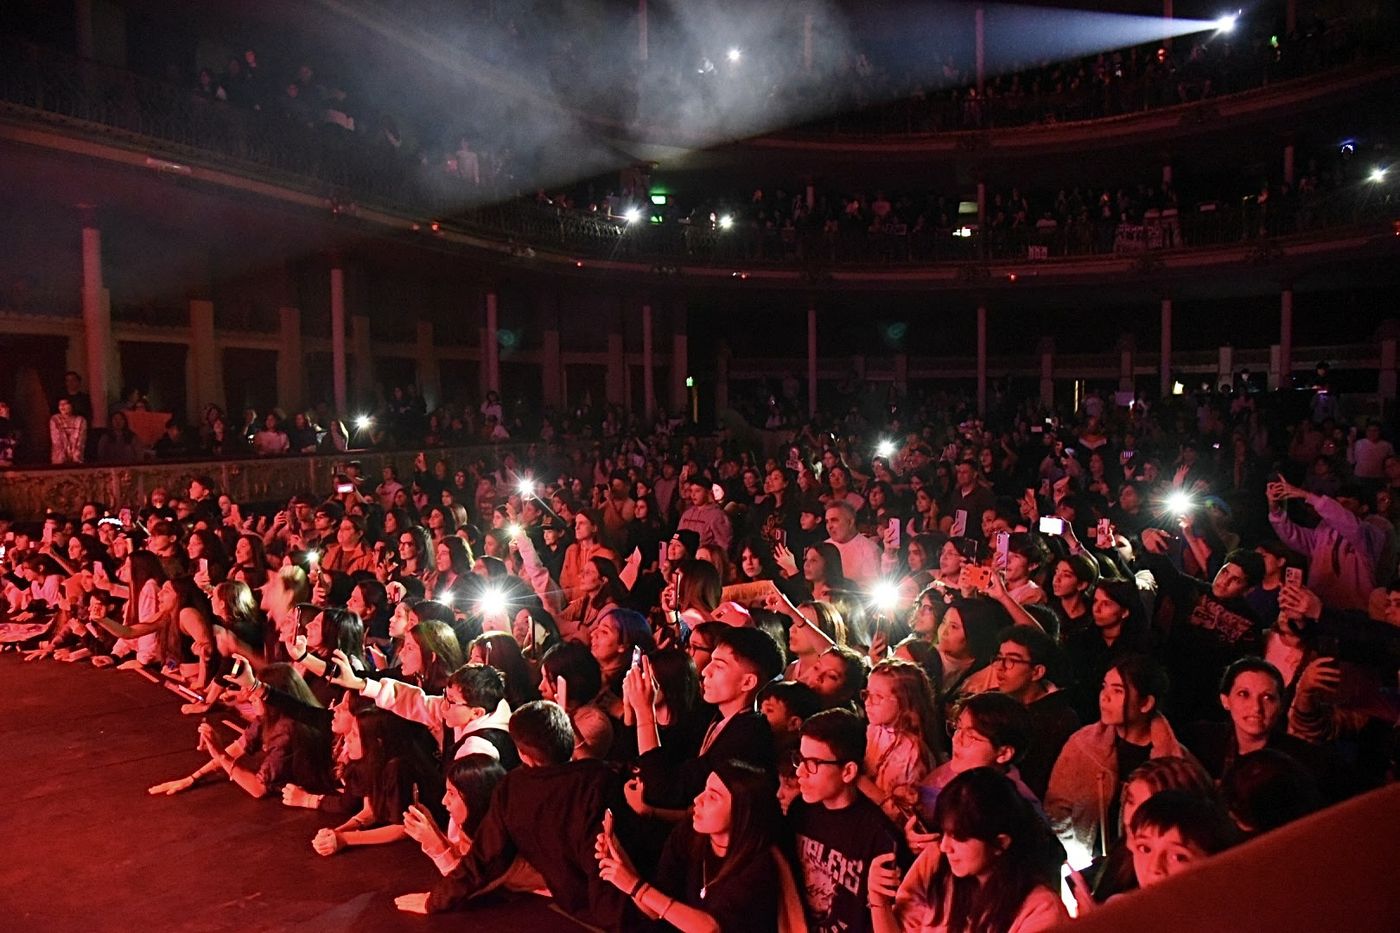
599 590
501 651
902 738
429 654
279 746
398 766
719 870
996 866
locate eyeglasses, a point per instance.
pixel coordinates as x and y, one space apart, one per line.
812 764
968 735
867 696
1006 660
451 702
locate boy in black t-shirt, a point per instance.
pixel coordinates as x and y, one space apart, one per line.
838 830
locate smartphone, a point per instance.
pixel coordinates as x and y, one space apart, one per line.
125 516
1104 533
332 670
1293 576
894 531
959 527
344 488
1003 542
203 565
637 656
661 554
976 576
780 536
1124 456
1050 525
48 533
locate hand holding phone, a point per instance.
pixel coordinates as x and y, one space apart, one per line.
1050 525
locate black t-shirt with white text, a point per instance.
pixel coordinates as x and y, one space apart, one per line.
834 852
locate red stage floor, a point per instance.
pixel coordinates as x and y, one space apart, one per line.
87 848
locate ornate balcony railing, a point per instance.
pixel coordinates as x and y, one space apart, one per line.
42 85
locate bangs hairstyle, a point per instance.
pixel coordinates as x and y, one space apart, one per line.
1200 821
754 817
918 710
984 804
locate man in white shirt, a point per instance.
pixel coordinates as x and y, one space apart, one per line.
1368 455
860 556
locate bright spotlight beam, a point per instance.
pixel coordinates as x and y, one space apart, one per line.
884 596
492 602
1179 503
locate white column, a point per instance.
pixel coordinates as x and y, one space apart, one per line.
363 353
1388 361
204 383
722 380
648 366
291 368
491 347
981 359
82 12
811 360
553 370
807 41
1165 361
615 385
1285 339
1047 372
97 326
338 391
680 364
429 370
980 25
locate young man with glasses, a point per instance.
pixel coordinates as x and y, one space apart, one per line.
838 830
990 730
1019 670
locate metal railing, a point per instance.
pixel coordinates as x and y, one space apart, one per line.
39 84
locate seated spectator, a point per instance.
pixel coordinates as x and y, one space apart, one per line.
840 833
996 865
1082 799
721 869
548 813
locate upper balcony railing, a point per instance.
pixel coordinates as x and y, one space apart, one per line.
38 84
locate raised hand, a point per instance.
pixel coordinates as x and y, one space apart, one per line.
786 560
883 879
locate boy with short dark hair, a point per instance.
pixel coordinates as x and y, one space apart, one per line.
547 812
838 830
743 660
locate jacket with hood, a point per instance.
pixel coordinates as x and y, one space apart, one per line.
1084 783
